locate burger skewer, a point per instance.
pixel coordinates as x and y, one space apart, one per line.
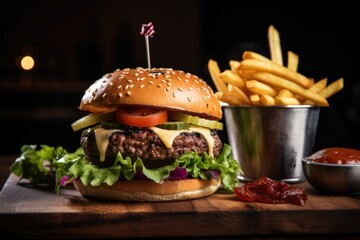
147 30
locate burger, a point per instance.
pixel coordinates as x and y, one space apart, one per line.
149 135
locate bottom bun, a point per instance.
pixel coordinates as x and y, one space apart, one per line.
149 191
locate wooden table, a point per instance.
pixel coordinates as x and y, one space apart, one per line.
29 212
39 213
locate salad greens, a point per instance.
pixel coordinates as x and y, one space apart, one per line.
57 166
36 163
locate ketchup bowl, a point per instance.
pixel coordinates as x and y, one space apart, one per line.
336 177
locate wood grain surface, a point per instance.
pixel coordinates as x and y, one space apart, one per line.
26 211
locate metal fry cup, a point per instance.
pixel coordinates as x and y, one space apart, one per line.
272 141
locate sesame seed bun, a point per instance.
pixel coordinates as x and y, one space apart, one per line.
149 191
163 88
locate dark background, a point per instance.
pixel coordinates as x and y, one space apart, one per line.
76 42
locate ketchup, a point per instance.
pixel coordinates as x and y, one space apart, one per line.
336 156
266 190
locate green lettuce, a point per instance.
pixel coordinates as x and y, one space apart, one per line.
36 163
75 166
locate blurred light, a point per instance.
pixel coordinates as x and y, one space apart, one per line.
27 62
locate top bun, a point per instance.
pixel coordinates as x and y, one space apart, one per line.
163 88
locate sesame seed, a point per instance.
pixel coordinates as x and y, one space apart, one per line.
163 81
126 87
196 81
167 76
169 84
136 74
190 88
174 94
205 98
131 86
186 80
159 85
178 78
189 99
167 89
129 81
198 89
104 95
110 83
120 86
120 94
142 86
151 82
128 93
121 77
180 89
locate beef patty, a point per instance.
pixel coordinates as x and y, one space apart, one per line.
146 144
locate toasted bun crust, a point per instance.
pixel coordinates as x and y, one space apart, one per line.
160 88
149 191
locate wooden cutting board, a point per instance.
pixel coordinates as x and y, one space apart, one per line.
40 213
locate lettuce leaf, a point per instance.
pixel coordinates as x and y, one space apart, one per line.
75 166
36 163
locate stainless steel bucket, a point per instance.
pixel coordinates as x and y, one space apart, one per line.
272 141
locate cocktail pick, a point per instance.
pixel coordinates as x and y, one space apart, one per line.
147 30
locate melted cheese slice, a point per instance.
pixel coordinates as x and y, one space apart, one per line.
168 136
102 140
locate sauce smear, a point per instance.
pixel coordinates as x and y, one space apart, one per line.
266 190
336 156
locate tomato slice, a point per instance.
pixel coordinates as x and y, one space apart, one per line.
141 117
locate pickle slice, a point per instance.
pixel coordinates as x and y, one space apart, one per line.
174 125
92 119
183 117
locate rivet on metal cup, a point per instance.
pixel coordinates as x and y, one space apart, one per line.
271 141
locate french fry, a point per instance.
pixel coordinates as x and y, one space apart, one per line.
275 46
219 95
319 85
231 99
238 93
285 93
230 77
281 71
234 65
284 101
293 61
258 80
254 55
330 90
255 99
333 88
276 81
214 71
260 88
267 100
